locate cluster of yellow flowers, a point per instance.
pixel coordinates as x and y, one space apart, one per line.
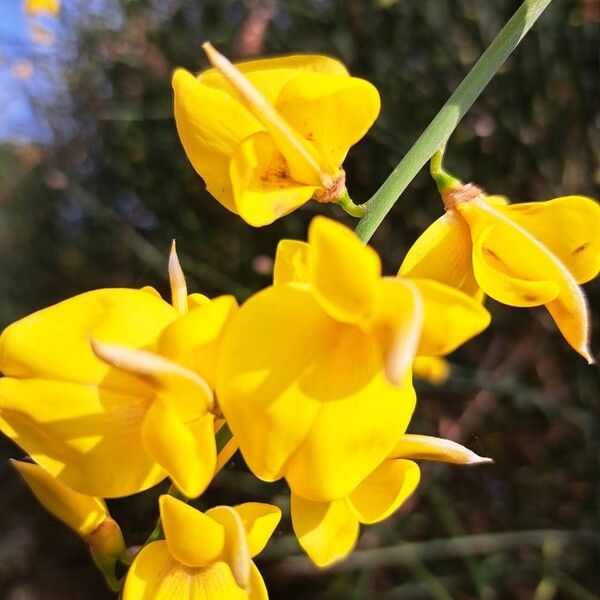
114 390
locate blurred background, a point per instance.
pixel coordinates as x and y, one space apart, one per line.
94 185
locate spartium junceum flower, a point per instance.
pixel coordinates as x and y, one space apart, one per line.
328 530
33 7
315 371
528 254
109 391
86 515
268 135
204 556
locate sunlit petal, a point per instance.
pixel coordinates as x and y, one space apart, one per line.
332 112
269 75
450 318
263 187
291 262
425 447
187 452
355 428
327 531
193 538
384 490
300 155
443 253
54 343
82 513
398 324
236 550
156 575
78 432
194 340
569 227
210 135
514 267
344 273
263 384
260 521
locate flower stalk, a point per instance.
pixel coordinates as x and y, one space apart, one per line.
445 122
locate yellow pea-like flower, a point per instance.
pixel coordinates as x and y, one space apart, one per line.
86 515
111 391
51 7
328 531
204 556
268 135
528 254
82 513
315 371
434 369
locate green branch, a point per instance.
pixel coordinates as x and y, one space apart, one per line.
444 123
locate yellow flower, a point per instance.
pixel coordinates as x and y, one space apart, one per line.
315 372
328 530
521 254
434 369
270 134
86 515
109 393
204 556
39 6
82 513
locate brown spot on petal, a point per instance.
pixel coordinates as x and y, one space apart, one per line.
581 248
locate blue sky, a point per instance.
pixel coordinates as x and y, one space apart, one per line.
31 71
39 65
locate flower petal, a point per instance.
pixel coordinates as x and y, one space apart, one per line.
193 538
332 112
269 75
194 340
532 274
300 155
211 124
425 447
156 575
291 262
187 452
353 432
327 531
450 318
569 227
344 273
260 521
263 188
258 590
54 343
443 253
384 490
78 433
236 550
188 393
260 385
398 324
499 281
81 512
434 369
51 7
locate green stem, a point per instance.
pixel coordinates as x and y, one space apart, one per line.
346 203
444 123
443 180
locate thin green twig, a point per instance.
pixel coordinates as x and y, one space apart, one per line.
444 123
